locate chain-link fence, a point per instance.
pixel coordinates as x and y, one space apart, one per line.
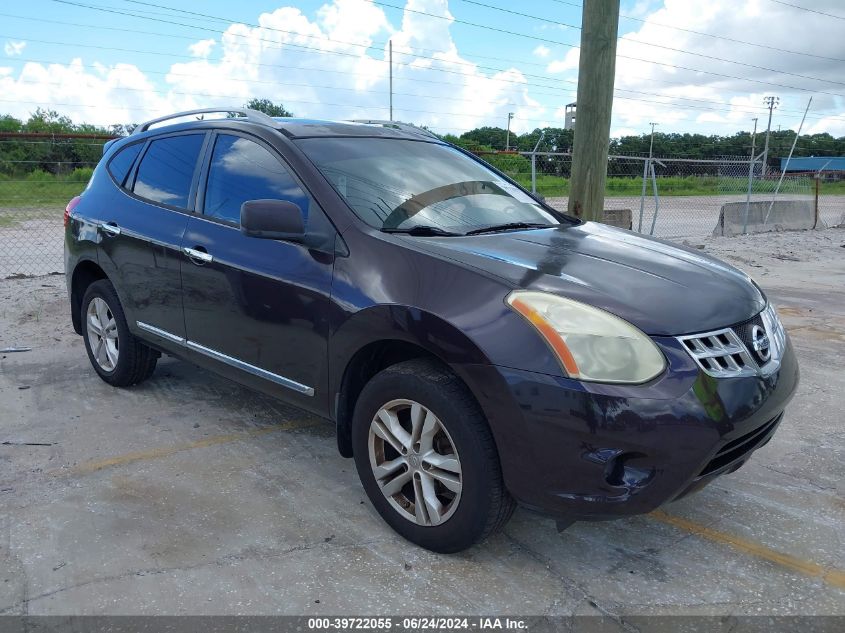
675 198
39 174
670 197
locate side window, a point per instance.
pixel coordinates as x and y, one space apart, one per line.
243 170
121 163
167 169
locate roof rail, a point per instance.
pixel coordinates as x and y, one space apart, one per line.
247 113
406 127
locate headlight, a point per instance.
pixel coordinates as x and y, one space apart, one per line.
590 344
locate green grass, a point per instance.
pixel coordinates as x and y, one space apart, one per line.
39 188
551 186
38 194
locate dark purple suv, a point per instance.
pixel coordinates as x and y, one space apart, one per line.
474 347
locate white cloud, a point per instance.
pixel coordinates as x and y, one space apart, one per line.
13 48
833 125
542 51
694 92
311 64
306 63
569 62
202 48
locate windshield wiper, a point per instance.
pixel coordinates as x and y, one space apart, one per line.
421 230
510 226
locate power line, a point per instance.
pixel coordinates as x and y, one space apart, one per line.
108 10
281 47
662 46
660 104
482 26
714 36
795 6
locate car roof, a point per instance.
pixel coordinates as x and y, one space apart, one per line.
307 128
291 127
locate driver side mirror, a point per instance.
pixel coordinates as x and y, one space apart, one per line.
272 219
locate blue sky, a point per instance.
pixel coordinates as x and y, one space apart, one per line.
102 64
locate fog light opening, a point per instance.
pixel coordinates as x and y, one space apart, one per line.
621 474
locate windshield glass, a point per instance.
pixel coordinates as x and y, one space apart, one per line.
395 184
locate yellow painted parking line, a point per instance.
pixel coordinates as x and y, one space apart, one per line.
86 468
833 577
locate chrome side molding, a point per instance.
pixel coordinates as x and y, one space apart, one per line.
159 332
229 360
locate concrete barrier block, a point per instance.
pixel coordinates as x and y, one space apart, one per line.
786 215
621 218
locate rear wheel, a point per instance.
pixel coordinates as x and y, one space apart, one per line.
426 457
116 355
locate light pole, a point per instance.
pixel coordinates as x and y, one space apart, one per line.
508 139
772 102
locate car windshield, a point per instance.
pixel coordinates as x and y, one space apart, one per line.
417 186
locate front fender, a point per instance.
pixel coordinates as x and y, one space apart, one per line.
438 337
399 323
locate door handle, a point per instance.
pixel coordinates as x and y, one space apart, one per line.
196 255
110 227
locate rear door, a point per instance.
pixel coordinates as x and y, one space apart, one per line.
141 233
259 305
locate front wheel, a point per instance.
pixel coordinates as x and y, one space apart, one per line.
426 457
118 357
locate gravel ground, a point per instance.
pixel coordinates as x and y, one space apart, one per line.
191 495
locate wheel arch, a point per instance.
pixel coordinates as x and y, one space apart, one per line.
378 337
85 273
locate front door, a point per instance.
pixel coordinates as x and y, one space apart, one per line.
258 305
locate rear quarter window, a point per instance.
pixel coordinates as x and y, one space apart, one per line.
167 169
122 162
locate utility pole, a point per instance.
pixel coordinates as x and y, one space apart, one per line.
508 139
651 145
772 102
596 70
391 79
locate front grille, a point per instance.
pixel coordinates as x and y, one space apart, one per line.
736 449
730 352
720 353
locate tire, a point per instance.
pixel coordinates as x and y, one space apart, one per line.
453 461
119 358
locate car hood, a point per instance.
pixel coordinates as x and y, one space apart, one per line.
662 288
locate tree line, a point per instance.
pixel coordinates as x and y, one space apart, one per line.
681 145
24 155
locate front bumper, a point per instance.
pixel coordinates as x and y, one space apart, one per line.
585 451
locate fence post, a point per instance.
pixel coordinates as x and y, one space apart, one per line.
534 162
786 164
656 199
642 196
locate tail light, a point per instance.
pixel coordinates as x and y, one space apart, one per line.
70 207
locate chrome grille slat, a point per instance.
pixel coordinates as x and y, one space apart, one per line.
724 354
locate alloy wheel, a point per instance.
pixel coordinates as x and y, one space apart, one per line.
415 462
102 334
